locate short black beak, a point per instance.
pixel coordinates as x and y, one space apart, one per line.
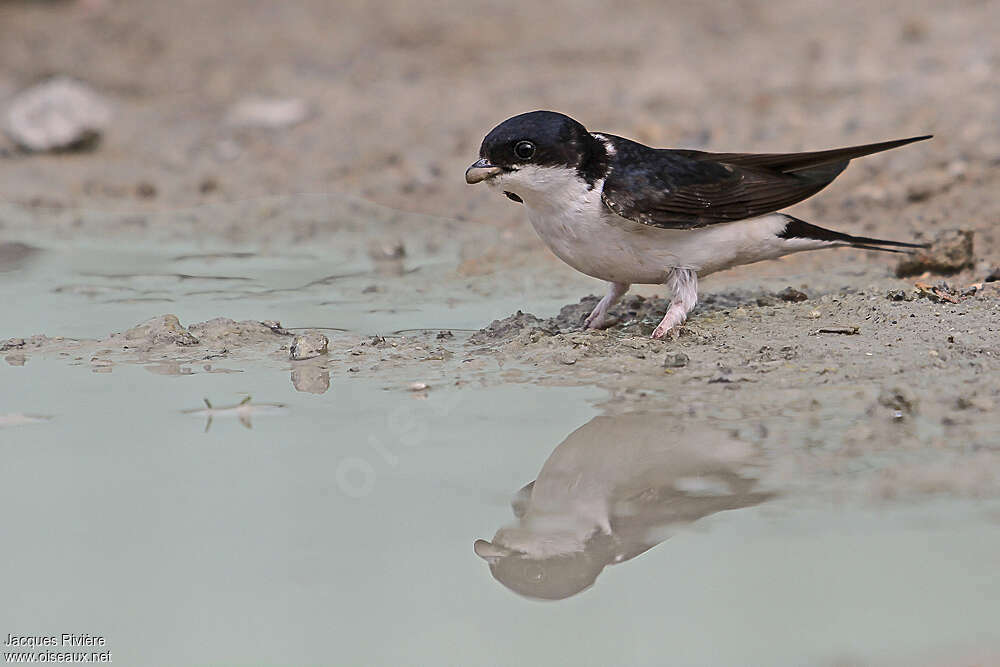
480 170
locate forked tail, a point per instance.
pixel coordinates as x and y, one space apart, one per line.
800 229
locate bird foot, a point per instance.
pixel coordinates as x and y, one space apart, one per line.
674 317
684 284
598 318
602 321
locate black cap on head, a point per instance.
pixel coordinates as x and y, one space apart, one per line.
543 138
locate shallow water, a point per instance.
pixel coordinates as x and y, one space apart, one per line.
340 529
88 291
90 283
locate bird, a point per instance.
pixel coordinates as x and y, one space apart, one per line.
626 213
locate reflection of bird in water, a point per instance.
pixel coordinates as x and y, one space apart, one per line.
610 491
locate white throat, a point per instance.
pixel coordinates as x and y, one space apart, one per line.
562 207
548 187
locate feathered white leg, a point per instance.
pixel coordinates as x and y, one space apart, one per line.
684 285
598 318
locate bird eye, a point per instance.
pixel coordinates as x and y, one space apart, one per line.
524 150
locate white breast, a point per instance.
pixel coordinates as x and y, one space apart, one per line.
574 223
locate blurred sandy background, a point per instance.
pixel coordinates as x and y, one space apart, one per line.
399 95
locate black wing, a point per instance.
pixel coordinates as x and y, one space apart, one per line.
683 189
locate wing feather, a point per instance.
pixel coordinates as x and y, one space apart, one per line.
684 189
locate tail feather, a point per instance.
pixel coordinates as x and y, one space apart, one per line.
865 246
800 229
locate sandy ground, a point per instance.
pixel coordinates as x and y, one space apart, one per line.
398 101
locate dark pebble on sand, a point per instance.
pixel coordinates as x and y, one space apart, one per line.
792 295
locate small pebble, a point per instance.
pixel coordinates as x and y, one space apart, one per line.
567 358
949 252
678 360
899 295
58 115
308 345
792 295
